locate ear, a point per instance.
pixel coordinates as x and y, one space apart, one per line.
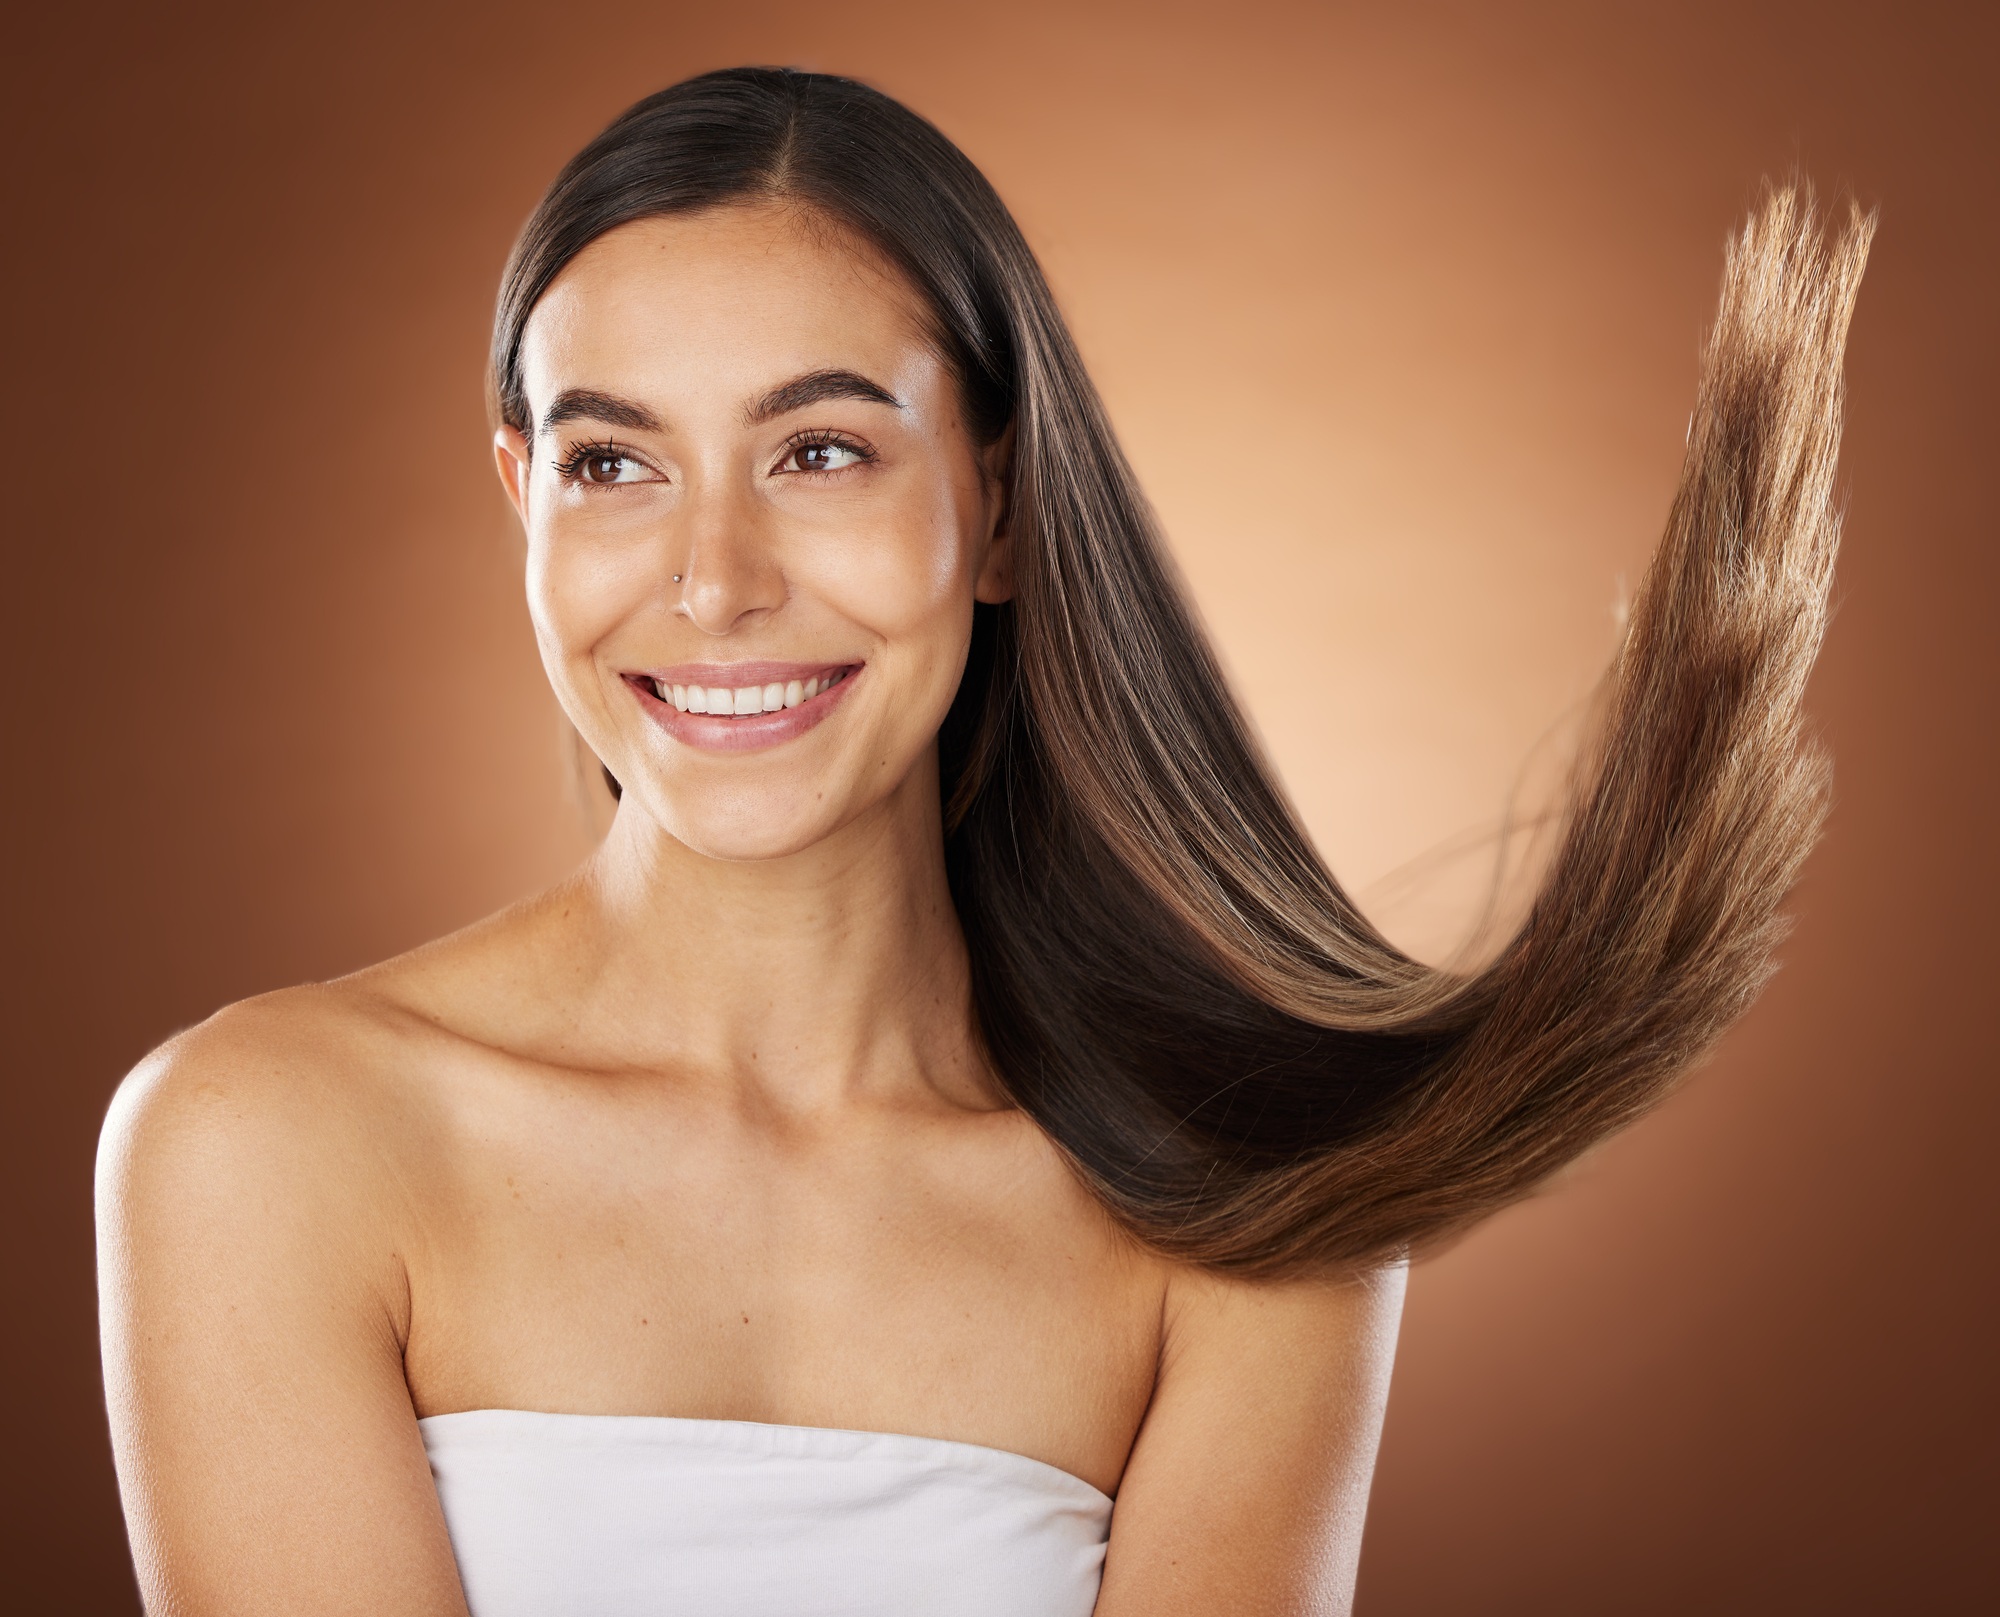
996 572
512 455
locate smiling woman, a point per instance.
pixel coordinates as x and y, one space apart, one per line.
752 405
954 1095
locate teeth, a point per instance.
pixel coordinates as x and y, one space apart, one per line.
748 699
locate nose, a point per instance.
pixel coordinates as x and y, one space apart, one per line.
725 558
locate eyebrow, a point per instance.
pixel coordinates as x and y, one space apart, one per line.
812 388
585 404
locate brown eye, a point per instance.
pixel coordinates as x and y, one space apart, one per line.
823 458
603 464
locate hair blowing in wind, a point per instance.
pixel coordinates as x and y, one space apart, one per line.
1165 975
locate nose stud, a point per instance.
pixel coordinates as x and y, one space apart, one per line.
677 578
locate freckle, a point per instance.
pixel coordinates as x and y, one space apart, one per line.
746 1319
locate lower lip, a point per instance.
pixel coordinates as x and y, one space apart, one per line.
748 734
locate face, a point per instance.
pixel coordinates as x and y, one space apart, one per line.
757 524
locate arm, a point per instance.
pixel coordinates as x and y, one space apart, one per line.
1249 1482
253 1307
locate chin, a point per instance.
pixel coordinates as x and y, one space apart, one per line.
745 827
739 845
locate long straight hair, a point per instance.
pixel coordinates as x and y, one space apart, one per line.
1165 975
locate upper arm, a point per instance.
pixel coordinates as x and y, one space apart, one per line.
1248 1485
252 1307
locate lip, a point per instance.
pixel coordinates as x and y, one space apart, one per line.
754 731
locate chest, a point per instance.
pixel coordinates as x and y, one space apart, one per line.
943 1278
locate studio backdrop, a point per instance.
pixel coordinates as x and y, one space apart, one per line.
1397 311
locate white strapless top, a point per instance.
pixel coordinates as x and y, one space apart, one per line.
654 1516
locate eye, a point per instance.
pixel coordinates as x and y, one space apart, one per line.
603 465
827 454
608 468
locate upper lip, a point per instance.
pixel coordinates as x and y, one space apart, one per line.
735 676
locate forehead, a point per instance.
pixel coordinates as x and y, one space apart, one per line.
721 305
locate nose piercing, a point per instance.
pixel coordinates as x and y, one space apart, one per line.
677 578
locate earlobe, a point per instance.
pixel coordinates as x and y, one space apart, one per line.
510 455
996 574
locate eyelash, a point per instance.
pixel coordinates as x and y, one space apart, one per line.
571 463
817 437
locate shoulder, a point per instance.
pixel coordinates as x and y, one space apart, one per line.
1249 1482
1316 1324
337 1100
319 1071
1279 1362
296 1061
294 1109
254 1226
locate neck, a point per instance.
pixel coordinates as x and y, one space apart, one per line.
817 977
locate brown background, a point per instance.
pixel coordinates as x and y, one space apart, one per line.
1397 309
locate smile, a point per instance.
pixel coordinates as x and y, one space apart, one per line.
744 701
741 707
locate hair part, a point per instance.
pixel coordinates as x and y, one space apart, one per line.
1165 975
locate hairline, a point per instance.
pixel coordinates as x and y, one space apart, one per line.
771 192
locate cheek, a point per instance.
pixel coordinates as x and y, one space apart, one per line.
578 592
908 580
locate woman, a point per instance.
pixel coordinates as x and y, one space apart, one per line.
954 1094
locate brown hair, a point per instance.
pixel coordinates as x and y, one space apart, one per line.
1166 977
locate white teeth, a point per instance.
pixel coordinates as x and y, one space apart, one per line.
744 701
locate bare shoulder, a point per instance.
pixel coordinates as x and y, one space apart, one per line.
308 1062
273 1112
1319 1324
1268 1361
313 1074
254 1224
1249 1483
317 1109
321 1109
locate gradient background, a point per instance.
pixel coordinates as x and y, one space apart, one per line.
1397 310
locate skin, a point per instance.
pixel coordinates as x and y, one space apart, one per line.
703 1131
